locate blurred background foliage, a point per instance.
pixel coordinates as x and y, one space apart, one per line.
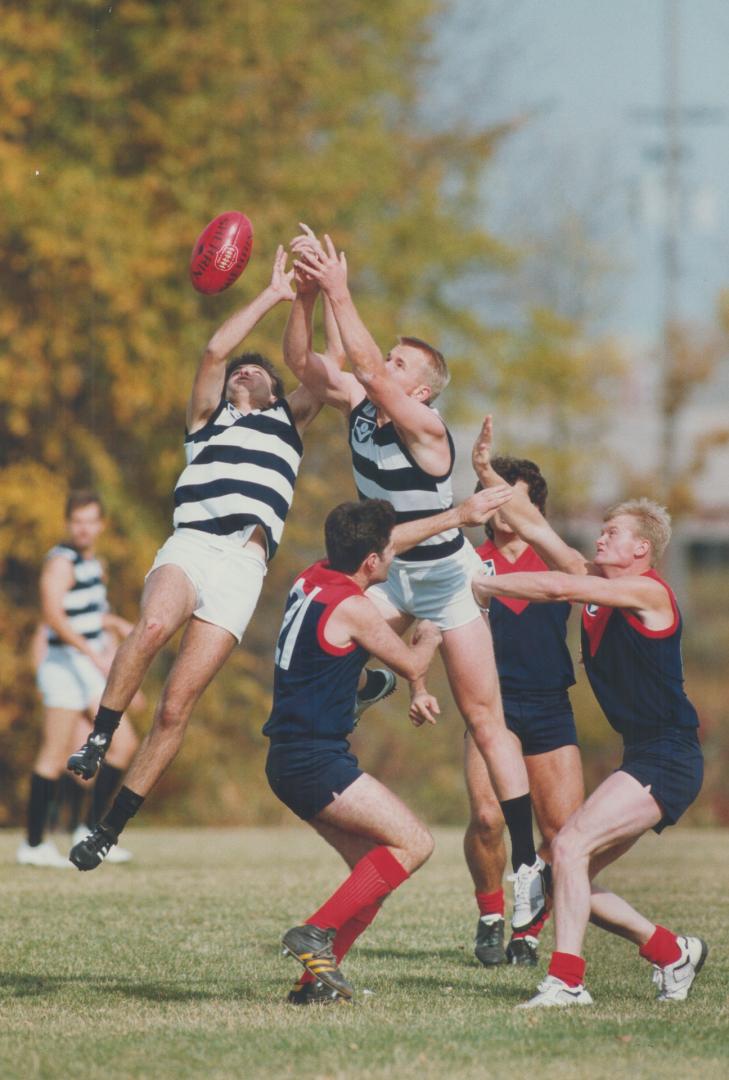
124 128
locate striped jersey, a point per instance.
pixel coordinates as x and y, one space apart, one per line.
315 683
240 472
85 602
636 674
385 469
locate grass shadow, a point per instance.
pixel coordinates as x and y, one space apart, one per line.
23 985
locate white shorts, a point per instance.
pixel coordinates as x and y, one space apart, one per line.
69 680
227 578
439 590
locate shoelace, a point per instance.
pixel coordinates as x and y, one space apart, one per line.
522 883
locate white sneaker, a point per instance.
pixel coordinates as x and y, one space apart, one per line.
553 992
675 980
529 895
45 854
116 854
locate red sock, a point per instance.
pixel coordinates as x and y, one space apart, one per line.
535 929
661 948
348 934
567 967
491 903
374 876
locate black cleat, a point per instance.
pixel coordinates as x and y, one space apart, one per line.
91 852
523 951
380 684
489 943
315 993
312 947
86 761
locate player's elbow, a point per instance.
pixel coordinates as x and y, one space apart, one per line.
557 587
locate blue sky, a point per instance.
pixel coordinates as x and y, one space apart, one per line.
582 67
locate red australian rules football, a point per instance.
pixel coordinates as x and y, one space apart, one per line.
221 252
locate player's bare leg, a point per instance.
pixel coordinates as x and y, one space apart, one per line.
468 657
485 852
168 601
618 812
384 842
203 651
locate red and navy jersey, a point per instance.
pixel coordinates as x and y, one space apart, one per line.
315 683
636 673
530 640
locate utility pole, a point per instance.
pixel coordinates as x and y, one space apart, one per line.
671 264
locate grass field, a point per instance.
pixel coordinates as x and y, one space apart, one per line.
170 968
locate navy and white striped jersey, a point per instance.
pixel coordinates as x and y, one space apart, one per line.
384 469
241 471
85 602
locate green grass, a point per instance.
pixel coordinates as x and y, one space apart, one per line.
170 968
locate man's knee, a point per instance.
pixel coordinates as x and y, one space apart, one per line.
422 846
487 823
567 849
172 715
151 633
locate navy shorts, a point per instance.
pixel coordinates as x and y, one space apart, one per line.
307 774
542 722
672 765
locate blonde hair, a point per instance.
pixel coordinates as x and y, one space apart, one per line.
434 362
652 523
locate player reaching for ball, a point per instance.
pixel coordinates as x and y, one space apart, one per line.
243 448
631 648
403 452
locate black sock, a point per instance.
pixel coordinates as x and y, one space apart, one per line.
106 784
71 795
375 682
41 797
124 807
518 817
107 720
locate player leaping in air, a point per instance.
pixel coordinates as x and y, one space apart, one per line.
631 648
243 449
402 452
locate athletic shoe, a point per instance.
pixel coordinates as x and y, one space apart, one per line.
45 854
489 942
380 684
91 852
523 951
675 980
314 993
86 761
312 947
529 895
116 854
553 992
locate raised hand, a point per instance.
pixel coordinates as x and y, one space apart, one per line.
479 508
324 265
481 453
281 278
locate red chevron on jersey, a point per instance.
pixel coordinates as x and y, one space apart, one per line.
594 620
495 562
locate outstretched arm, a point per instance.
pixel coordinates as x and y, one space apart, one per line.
209 381
410 414
522 515
648 598
475 510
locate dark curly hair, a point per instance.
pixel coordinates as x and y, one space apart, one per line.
261 362
353 530
513 469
